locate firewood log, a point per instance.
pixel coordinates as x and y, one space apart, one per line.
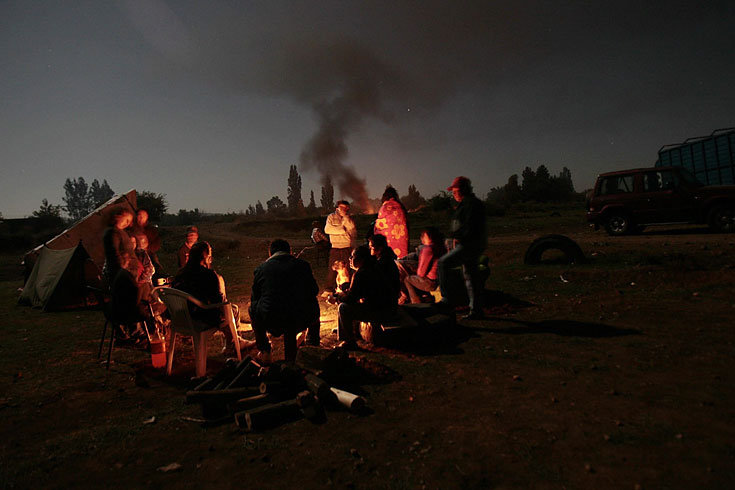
354 403
319 387
207 384
246 376
268 416
249 403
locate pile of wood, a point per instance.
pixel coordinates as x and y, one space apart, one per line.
258 397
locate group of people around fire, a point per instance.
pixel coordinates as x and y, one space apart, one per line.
368 281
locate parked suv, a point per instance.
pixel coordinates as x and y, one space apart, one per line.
627 201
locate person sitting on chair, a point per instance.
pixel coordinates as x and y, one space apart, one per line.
128 305
201 281
283 301
370 298
192 235
418 279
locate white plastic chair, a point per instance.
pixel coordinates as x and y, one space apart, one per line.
177 304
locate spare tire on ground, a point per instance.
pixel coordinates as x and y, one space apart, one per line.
572 252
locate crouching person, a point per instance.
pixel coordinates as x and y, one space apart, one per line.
371 297
283 301
201 281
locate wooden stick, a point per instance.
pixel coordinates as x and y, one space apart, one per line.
268 416
354 403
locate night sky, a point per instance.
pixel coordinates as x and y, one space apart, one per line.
210 102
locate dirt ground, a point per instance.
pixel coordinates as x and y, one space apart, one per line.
615 373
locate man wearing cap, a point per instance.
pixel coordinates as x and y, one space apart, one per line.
192 235
468 232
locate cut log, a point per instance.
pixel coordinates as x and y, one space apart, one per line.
225 375
354 403
246 377
310 406
269 416
320 361
249 403
207 384
220 396
319 387
305 398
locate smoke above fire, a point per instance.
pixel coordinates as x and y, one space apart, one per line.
344 81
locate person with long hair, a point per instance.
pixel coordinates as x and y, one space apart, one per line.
392 222
199 279
421 279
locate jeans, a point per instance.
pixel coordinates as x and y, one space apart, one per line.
467 257
261 326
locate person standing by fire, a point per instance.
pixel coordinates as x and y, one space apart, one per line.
470 239
342 234
392 222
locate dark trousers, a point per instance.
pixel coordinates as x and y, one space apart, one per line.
342 254
350 313
261 328
467 257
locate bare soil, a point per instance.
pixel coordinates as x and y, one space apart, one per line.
615 373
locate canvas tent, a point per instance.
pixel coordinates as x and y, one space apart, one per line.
88 231
58 271
58 279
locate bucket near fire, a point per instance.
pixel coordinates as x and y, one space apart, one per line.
158 353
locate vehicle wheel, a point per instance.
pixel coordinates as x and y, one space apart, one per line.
722 218
617 224
572 252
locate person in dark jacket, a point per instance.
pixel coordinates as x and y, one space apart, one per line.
127 302
201 281
386 262
370 298
470 238
283 301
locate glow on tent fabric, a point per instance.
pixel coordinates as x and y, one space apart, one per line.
391 222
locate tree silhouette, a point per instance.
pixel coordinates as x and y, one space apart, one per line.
327 200
259 211
276 207
295 203
414 199
155 204
99 193
77 202
311 208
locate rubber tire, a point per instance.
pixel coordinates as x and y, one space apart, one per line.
722 218
572 252
618 224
